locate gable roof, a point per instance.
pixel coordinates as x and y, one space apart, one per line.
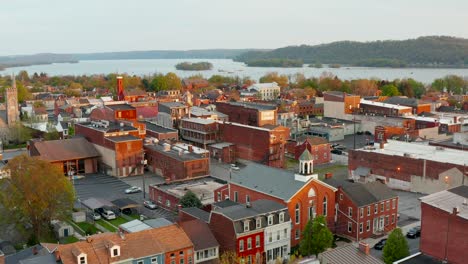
200 234
347 255
363 193
197 213
66 149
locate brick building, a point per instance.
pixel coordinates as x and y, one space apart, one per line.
252 114
411 166
199 131
261 144
176 110
119 144
364 209
383 109
338 104
309 107
177 161
318 147
113 111
302 192
160 132
416 105
444 225
223 151
258 231
168 195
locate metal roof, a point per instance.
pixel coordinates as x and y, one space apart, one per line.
347 255
258 207
450 199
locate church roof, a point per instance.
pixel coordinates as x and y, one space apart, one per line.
306 155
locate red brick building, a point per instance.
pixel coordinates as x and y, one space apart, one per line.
223 151
199 131
444 225
161 133
119 144
113 111
252 114
177 161
317 146
303 194
261 144
364 209
416 105
309 107
383 109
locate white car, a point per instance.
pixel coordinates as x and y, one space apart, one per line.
234 167
108 215
133 189
149 204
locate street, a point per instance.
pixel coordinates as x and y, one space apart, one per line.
413 244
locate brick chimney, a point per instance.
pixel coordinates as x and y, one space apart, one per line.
2 257
328 175
120 89
190 148
364 248
382 144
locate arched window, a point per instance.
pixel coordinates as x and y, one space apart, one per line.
305 171
297 213
324 211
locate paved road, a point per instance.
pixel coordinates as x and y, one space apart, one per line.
111 188
413 245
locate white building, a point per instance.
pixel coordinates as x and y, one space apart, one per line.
277 240
267 91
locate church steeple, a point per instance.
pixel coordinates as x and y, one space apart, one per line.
306 167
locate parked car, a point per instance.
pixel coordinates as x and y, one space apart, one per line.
234 167
95 216
368 133
149 204
336 151
99 210
133 189
381 244
359 132
108 215
414 232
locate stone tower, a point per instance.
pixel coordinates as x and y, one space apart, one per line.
11 99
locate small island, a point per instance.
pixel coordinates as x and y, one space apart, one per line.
197 66
283 63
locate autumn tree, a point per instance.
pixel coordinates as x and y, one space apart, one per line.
363 87
190 199
35 194
228 257
281 80
396 247
20 134
316 237
52 135
389 90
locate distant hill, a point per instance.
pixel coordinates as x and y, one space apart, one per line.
432 51
36 59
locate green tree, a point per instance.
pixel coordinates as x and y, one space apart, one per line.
396 247
35 194
389 90
281 80
52 135
316 237
23 92
20 134
173 81
190 200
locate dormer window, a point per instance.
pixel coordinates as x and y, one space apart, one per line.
258 223
82 259
114 251
270 220
281 217
246 226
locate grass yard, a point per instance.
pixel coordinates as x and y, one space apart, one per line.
106 225
69 240
118 221
88 228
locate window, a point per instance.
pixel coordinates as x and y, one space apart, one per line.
361 212
115 252
219 196
368 210
154 260
297 214
350 211
235 197
285 233
270 220
278 236
258 223
247 198
388 205
311 212
181 261
270 237
324 212
257 241
382 206
368 225
82 260
241 245
376 208
281 217
249 243
246 226
393 203
341 196
350 227
387 220
140 262
297 234
189 259
393 218
168 203
361 228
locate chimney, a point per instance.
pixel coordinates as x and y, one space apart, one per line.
364 248
456 210
190 148
120 89
382 144
179 212
328 175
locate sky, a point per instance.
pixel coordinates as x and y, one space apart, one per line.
81 26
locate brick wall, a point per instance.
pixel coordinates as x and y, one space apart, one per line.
163 199
245 115
223 230
321 153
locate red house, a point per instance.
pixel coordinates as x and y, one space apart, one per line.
318 147
302 192
364 209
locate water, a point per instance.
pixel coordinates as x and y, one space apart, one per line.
229 67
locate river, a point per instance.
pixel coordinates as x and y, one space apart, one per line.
230 68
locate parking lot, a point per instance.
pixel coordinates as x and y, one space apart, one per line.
111 188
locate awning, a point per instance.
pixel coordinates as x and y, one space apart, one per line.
125 203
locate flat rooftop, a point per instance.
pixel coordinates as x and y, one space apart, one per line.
420 151
176 152
203 188
449 199
197 120
260 107
379 104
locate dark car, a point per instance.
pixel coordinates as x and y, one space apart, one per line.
414 232
381 244
368 133
336 151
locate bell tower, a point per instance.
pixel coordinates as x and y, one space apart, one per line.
306 167
11 99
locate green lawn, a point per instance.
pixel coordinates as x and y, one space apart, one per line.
118 221
69 240
107 226
88 228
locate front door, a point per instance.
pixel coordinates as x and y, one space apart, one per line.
65 232
375 227
382 222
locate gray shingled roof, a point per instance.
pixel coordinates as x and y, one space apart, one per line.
158 128
197 213
272 181
363 193
258 207
396 100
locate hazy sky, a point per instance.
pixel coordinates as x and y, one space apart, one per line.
33 26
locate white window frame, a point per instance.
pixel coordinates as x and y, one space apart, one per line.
368 225
249 243
281 217
350 227
241 245
361 228
393 203
361 212
270 220
246 226
368 210
350 212
258 223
